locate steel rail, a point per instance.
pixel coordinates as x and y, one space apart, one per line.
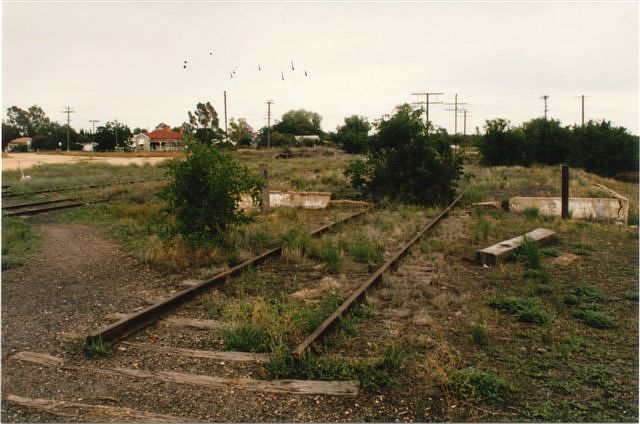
141 319
83 187
329 323
26 205
35 211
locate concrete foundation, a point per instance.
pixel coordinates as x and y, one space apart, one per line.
579 207
291 199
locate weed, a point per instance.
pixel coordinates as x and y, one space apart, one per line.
550 251
542 289
529 253
540 274
363 250
19 241
581 249
363 311
298 183
245 337
349 326
524 309
481 229
479 334
312 317
633 296
531 213
96 349
296 242
280 362
588 294
331 256
595 319
481 386
546 335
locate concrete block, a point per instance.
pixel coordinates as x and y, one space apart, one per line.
292 199
499 252
579 207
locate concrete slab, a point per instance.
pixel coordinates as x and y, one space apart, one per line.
500 252
579 207
291 199
565 259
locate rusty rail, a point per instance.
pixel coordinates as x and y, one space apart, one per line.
334 318
37 210
26 205
139 320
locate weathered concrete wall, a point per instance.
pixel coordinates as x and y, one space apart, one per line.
579 207
292 199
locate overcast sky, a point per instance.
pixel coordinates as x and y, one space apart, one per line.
124 60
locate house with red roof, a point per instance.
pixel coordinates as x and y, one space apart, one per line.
162 139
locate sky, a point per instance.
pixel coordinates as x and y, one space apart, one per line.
125 60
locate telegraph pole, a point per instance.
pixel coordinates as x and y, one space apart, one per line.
93 126
427 103
455 105
546 109
464 113
68 111
226 137
582 107
269 102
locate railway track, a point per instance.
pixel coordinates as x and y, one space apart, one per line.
35 208
7 193
180 341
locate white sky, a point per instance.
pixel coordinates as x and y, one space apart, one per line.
124 60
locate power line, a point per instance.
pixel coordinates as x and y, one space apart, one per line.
455 104
269 102
427 103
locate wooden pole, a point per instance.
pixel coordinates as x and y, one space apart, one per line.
565 192
264 173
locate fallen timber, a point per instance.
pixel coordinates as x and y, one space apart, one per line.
145 317
330 323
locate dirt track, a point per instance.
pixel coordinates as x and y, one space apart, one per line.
26 160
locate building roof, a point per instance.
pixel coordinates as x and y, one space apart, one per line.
21 140
164 135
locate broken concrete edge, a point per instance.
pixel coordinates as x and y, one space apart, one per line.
599 208
624 202
501 251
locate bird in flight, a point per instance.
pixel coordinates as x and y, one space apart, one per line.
292 68
305 73
210 53
282 74
231 74
259 68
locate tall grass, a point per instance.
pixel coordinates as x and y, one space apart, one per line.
19 241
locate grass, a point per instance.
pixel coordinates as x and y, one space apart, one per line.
525 309
595 319
96 349
19 242
364 250
478 385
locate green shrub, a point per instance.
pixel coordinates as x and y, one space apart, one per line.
541 274
595 319
363 250
246 337
531 213
203 192
331 256
409 164
588 294
525 309
479 334
529 253
631 296
477 385
296 242
502 145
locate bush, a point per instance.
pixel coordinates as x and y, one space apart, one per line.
595 319
549 141
474 384
204 190
502 145
408 164
601 148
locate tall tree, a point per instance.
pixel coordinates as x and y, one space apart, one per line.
299 122
240 132
51 136
111 135
9 132
353 136
27 121
204 123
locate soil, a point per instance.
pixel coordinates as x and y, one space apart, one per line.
15 161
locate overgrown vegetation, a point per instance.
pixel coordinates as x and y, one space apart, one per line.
407 163
204 190
596 147
19 241
481 386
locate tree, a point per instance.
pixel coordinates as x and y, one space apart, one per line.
549 141
604 149
299 122
204 124
240 132
502 145
111 135
405 163
9 132
204 190
27 121
51 136
353 136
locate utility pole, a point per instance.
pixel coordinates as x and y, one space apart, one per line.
546 109
115 127
93 126
68 111
427 103
455 105
464 113
582 106
269 102
226 137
